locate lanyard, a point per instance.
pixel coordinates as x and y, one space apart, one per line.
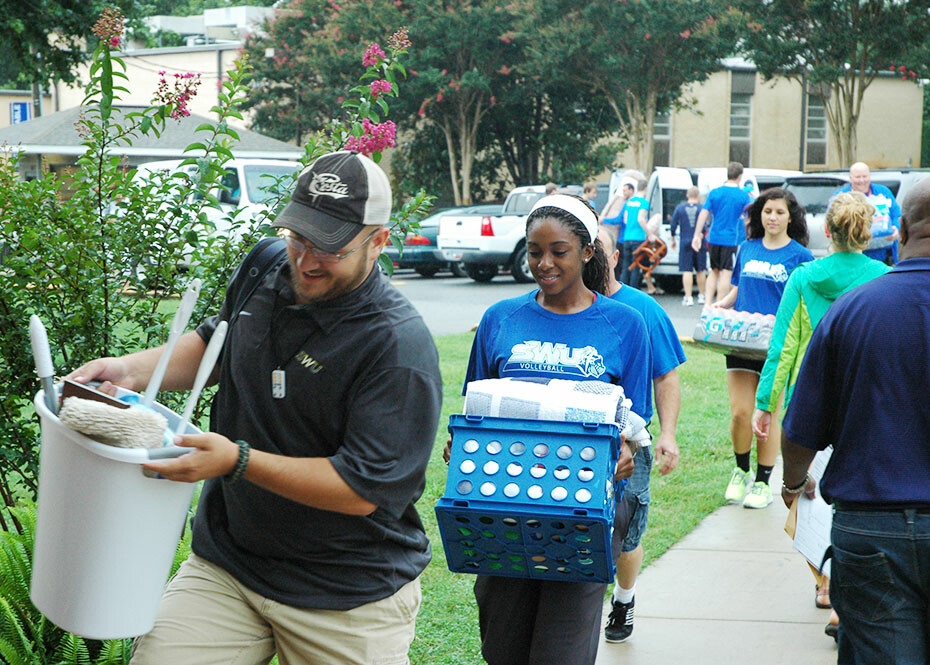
278 375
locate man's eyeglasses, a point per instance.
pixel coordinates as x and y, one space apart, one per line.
299 247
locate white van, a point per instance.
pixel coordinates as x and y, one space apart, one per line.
667 188
246 185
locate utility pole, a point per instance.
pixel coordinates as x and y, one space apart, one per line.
36 88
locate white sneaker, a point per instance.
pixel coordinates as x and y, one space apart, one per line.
687 301
700 299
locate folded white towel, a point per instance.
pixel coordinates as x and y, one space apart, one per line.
557 399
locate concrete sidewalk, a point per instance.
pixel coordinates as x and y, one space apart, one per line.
734 590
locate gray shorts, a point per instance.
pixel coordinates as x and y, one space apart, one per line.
637 497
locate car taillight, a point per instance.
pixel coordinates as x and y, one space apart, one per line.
416 240
486 228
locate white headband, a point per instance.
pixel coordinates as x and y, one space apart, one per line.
573 207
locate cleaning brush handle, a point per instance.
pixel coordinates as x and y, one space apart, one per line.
207 363
168 452
43 359
178 324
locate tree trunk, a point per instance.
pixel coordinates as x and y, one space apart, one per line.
467 148
453 162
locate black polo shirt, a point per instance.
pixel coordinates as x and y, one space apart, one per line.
362 389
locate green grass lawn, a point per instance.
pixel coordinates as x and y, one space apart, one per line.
447 626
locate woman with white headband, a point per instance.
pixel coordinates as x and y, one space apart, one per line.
580 334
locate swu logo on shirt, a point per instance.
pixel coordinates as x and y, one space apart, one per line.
773 272
535 356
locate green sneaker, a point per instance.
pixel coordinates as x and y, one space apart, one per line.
736 488
759 496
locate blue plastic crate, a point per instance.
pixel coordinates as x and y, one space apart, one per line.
530 498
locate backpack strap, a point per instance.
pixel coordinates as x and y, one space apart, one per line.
267 255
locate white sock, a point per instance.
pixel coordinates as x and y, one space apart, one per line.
622 595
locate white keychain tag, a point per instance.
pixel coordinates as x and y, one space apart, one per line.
277 384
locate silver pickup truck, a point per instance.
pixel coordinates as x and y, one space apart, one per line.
486 243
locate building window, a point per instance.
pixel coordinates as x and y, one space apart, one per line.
662 140
815 149
740 127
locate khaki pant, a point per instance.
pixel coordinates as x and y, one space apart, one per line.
206 617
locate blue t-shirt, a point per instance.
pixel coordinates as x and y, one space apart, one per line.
606 342
685 216
761 274
727 204
887 217
862 389
632 229
667 353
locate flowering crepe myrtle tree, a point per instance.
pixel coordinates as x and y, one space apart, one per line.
640 56
98 256
301 70
464 54
836 49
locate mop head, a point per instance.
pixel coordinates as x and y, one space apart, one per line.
123 428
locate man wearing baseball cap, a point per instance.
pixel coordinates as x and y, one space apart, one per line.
306 542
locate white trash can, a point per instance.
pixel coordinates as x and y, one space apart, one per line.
106 534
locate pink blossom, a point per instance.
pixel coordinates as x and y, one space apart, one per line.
648 35
902 68
373 56
684 34
375 137
378 87
185 87
109 27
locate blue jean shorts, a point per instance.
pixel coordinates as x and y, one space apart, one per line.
637 495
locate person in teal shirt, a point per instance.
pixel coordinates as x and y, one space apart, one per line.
635 215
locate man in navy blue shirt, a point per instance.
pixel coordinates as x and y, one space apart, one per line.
685 217
862 388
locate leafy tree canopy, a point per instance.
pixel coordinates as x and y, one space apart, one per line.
638 55
44 40
838 47
467 79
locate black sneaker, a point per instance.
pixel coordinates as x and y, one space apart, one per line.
620 622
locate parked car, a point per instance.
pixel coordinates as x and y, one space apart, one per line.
246 185
486 243
420 250
814 191
899 181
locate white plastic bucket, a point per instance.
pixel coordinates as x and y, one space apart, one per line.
106 534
